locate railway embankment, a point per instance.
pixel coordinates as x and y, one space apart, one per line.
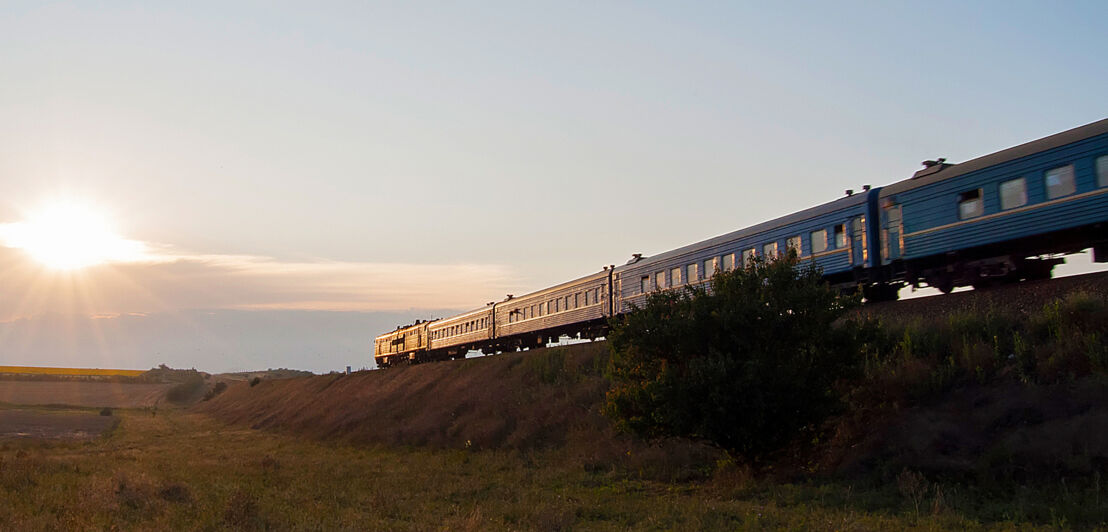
528 399
1003 385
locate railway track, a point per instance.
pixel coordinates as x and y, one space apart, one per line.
1026 296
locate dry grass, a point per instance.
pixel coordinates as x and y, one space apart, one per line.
90 372
185 471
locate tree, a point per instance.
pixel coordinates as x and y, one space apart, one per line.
748 364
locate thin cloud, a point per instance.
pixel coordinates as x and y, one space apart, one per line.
167 280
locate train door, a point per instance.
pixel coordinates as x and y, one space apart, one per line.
892 240
858 241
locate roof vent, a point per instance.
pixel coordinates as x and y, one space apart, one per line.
849 192
636 257
932 167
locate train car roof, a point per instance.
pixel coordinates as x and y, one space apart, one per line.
924 178
579 280
825 208
446 321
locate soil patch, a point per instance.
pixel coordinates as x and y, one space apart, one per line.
53 425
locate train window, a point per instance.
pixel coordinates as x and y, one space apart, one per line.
728 262
709 268
769 251
567 303
596 296
1059 182
644 284
690 273
1102 171
793 244
675 277
970 204
556 305
577 300
840 236
1013 193
748 257
819 240
659 280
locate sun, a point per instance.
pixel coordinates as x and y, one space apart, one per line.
69 236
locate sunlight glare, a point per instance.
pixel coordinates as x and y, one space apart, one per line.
68 236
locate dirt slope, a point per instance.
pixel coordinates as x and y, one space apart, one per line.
551 397
519 400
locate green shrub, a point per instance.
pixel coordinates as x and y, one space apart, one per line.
748 365
187 389
219 388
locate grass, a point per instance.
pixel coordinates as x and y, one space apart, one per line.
92 372
179 470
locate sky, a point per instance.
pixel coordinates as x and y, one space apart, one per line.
300 179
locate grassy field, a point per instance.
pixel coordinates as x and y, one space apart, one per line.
82 393
92 372
177 470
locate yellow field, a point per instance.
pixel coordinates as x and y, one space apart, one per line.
31 370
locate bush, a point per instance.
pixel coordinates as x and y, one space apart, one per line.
749 364
254 382
219 388
186 389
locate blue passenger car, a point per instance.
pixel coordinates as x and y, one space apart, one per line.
1003 216
834 235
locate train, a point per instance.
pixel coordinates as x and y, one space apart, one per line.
1003 217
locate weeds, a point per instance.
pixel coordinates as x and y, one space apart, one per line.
920 360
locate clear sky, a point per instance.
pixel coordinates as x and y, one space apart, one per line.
292 169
